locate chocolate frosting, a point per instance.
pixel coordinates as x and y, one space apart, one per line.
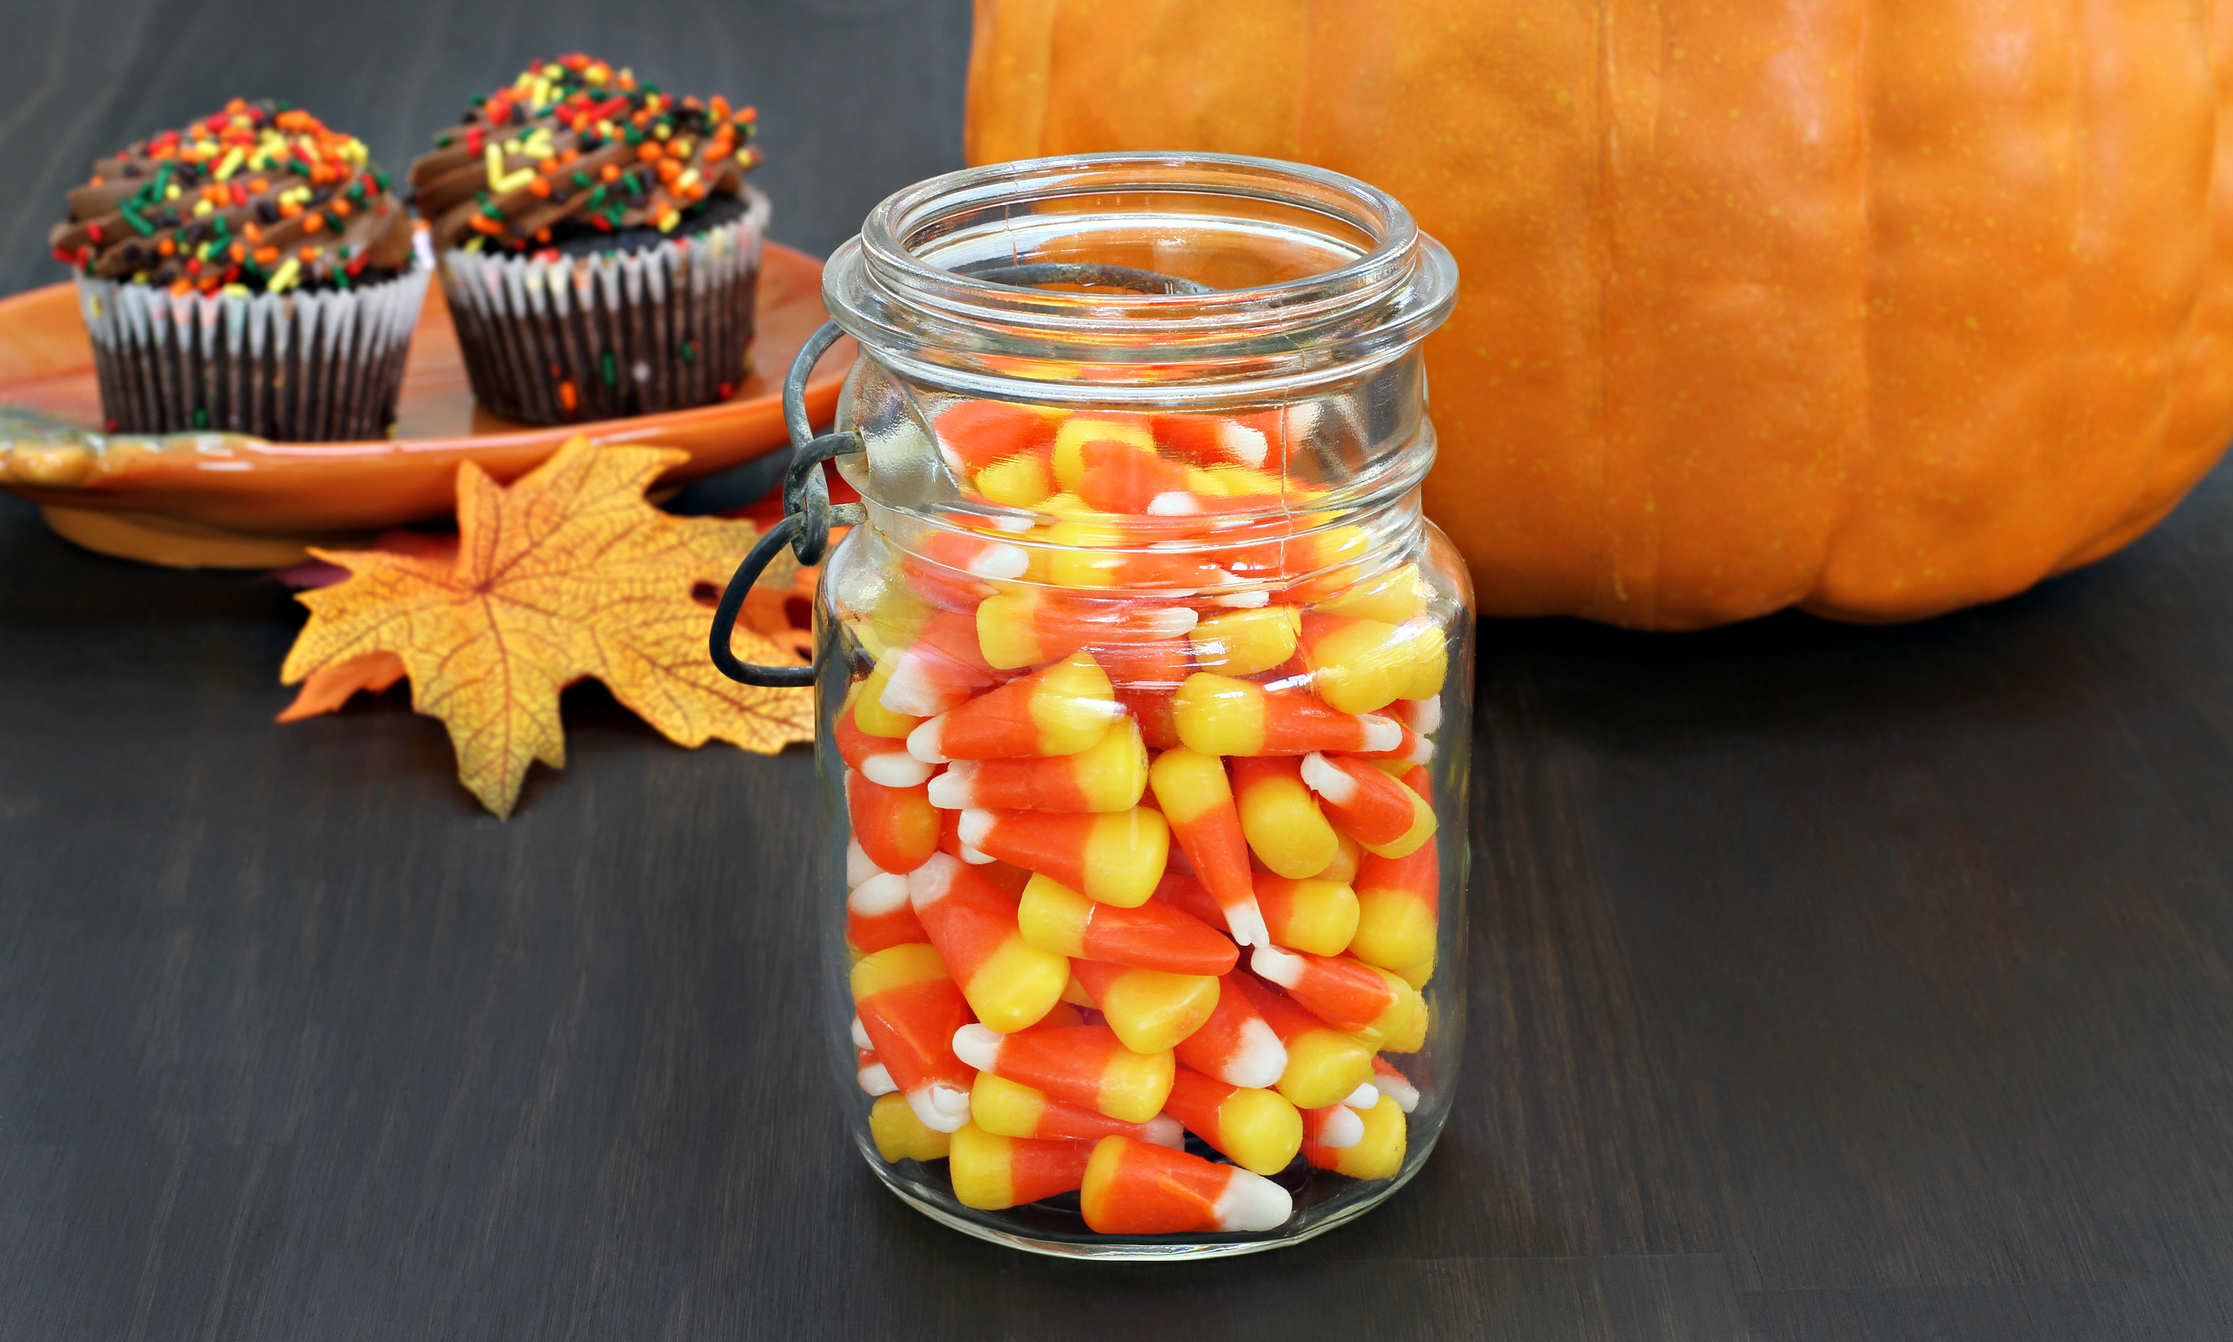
572 148
260 196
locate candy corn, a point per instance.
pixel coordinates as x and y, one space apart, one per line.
879 759
1393 597
1077 431
1360 666
878 915
1218 715
911 1010
1032 626
1112 858
1334 1127
1350 995
1389 819
974 435
1109 775
1132 1188
1149 1009
1376 1154
1211 440
1084 1064
1008 982
899 1135
1012 1109
1313 915
1197 799
1154 935
874 1076
896 827
1323 1064
1280 817
1058 711
941 669
1394 1084
1122 477
868 711
991 1172
1235 1045
1259 1129
1244 642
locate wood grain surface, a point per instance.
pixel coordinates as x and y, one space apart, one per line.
1828 982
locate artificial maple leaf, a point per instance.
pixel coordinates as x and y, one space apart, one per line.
566 573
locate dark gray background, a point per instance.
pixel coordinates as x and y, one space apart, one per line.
1867 984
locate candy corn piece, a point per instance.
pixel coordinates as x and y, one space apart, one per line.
939 670
1376 1154
1235 1045
1060 710
1074 434
899 1135
1084 1064
858 866
956 569
1359 666
879 915
1259 1129
1364 1096
1412 749
879 759
868 711
1389 819
1009 983
1123 477
991 1172
1110 775
1155 935
1422 715
1151 1011
1244 642
1132 1188
1033 626
1313 915
1280 817
1350 995
911 1010
1115 859
896 827
1398 901
874 1076
1393 597
1197 799
1211 440
973 435
1012 1109
1335 1127
1323 1064
1394 1084
1218 715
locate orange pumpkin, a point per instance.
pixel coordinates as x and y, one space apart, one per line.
1878 309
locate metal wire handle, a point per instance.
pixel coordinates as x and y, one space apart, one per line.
808 513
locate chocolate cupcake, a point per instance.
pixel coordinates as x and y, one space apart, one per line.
249 273
597 243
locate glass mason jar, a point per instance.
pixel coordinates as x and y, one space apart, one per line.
1144 650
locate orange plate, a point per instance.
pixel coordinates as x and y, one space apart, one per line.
223 500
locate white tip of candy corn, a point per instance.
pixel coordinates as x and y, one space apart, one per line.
1277 966
1170 621
977 1046
1344 1127
1253 1202
1000 561
1002 521
1245 600
876 1079
1421 753
1246 922
1380 733
1395 1085
950 790
940 1107
1328 781
932 881
858 867
1174 503
1426 715
1364 1096
973 827
923 742
1260 1059
1164 1130
894 768
974 857
880 894
860 1035
1246 446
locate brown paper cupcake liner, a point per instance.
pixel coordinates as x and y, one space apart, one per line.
293 367
558 341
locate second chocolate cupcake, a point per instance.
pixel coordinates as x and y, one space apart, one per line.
597 244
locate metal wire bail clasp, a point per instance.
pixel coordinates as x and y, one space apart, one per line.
807 518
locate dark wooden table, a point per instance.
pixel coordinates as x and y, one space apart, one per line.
1828 982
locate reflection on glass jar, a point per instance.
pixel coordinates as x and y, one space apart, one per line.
1149 936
